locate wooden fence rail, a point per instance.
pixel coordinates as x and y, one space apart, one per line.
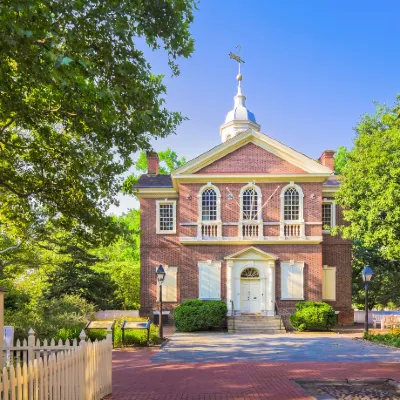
58 372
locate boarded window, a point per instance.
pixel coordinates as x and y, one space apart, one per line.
169 286
292 280
209 280
328 283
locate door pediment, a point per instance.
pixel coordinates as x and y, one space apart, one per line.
251 253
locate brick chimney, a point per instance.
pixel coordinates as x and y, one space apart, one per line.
152 162
327 159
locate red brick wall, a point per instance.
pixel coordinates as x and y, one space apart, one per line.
251 159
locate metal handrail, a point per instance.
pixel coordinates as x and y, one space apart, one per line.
233 314
277 313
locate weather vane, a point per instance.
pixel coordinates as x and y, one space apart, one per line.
237 57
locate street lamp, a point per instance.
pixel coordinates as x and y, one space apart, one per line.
366 276
160 274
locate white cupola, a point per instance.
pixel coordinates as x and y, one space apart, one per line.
240 118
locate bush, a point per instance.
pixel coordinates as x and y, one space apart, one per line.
195 315
51 319
136 337
312 315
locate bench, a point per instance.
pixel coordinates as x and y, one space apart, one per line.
391 321
135 325
377 320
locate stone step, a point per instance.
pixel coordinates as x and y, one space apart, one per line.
258 331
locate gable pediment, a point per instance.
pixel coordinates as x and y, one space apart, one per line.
271 156
251 253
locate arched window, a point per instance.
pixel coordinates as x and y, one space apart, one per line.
209 205
250 273
291 211
250 204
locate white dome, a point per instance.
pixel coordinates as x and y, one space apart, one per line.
240 118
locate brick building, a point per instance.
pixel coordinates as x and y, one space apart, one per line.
247 222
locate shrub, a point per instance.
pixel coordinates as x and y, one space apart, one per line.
312 315
194 315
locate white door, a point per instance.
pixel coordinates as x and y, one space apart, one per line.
250 296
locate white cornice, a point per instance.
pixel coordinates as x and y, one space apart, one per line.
159 193
237 241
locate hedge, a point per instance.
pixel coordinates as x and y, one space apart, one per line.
195 315
313 315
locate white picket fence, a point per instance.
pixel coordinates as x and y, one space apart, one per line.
66 371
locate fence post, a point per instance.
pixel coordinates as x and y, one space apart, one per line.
110 340
31 343
83 368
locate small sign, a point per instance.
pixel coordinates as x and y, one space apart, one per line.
100 324
136 325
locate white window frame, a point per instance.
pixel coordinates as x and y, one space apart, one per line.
259 201
162 202
326 267
290 264
169 270
200 210
301 202
333 214
213 264
200 204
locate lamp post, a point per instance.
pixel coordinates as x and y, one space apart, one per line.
366 276
160 273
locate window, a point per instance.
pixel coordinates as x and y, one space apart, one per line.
169 286
291 205
166 216
250 273
328 283
292 280
250 206
209 280
328 215
209 205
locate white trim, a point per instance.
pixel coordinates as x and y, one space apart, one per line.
236 255
259 221
300 221
158 230
333 214
218 221
227 240
326 267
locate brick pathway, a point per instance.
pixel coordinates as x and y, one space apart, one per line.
136 377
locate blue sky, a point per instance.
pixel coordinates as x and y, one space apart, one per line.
312 68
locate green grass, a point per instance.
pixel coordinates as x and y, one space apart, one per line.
136 337
390 339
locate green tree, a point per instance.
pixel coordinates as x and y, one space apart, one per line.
340 159
169 161
77 98
384 288
121 261
370 192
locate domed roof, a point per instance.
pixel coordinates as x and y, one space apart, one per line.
240 113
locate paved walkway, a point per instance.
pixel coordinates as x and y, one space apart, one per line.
217 347
179 370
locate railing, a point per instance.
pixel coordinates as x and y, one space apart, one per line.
52 372
209 229
277 313
233 315
292 229
251 229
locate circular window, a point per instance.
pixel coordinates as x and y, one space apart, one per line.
250 273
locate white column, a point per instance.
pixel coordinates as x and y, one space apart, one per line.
229 284
271 289
237 293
